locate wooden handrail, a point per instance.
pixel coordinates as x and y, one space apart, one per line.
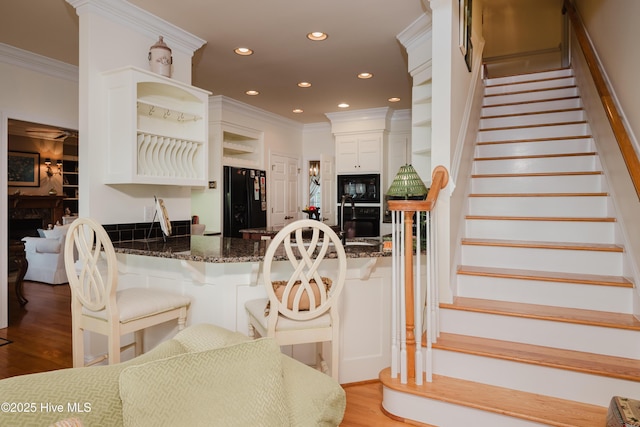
440 178
624 142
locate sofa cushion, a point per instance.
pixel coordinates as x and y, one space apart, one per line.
238 385
57 231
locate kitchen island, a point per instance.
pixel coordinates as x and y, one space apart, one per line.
220 274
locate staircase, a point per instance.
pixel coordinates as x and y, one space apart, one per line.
541 330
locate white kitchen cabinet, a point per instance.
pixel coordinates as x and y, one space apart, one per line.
156 130
360 153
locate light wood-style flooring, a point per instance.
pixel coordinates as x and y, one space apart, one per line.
41 335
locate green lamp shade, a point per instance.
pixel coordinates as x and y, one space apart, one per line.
407 184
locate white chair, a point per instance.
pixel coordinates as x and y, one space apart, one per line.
309 313
97 306
45 256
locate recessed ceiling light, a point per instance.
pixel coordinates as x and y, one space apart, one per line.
304 84
365 75
252 92
317 36
394 99
244 51
298 110
343 105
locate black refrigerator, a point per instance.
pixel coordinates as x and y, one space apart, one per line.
245 200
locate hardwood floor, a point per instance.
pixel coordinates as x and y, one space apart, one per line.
41 341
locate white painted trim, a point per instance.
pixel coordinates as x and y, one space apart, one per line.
38 63
141 21
415 31
381 113
223 103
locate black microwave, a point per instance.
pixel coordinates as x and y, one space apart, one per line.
362 188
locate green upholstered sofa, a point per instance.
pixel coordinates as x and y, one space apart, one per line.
204 376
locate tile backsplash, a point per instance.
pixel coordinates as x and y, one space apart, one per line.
140 230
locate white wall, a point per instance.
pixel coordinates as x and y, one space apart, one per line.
613 29
49 96
108 42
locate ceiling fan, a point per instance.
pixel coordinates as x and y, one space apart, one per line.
50 133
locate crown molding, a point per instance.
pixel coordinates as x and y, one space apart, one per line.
221 102
140 20
317 127
38 63
418 29
382 113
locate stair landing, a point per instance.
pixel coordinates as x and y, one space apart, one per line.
527 406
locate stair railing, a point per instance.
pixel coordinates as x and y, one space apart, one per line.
414 299
622 137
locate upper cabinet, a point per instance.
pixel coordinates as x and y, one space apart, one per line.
359 153
157 129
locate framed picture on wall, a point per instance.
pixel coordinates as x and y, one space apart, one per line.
23 169
464 10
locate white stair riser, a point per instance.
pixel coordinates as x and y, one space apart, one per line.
577 206
532 107
538 184
585 163
438 413
529 85
566 72
534 132
557 294
541 231
533 119
582 145
558 260
530 96
570 336
563 384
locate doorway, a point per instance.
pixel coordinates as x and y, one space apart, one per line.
284 189
41 184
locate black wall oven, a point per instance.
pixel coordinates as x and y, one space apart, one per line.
362 188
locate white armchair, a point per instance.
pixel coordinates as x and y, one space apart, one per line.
45 256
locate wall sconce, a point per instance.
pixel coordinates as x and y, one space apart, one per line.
314 168
50 172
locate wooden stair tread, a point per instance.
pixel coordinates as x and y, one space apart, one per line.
537 125
589 363
545 276
547 79
543 139
514 175
533 101
601 247
541 218
539 195
520 92
537 156
532 113
545 312
529 406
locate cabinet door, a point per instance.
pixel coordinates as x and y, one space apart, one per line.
369 154
347 154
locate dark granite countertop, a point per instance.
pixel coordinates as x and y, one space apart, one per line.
219 249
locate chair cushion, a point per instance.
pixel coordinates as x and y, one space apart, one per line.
136 303
257 307
280 285
238 385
